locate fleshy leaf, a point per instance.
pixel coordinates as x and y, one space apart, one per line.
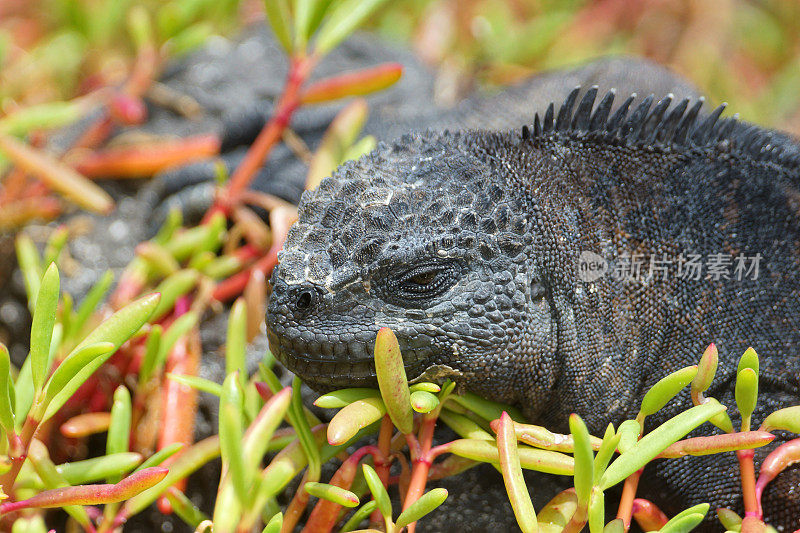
786 419
354 417
424 505
44 318
666 389
512 475
340 398
584 459
378 491
332 493
656 441
91 494
392 380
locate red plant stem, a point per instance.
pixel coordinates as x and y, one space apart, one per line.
299 70
28 431
326 512
625 509
382 467
179 403
296 507
422 463
748 474
384 441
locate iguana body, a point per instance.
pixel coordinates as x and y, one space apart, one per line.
467 245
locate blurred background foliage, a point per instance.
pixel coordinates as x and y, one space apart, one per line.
744 52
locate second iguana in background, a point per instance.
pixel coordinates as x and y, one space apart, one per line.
564 268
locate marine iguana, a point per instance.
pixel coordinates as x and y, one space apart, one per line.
468 245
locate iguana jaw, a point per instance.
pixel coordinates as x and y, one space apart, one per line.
348 369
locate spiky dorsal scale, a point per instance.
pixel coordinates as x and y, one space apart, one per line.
565 113
583 114
655 118
664 125
600 116
667 129
619 115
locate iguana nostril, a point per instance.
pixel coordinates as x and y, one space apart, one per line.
305 300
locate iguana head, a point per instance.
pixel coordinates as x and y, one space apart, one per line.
426 236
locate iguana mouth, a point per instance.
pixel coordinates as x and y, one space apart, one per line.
352 365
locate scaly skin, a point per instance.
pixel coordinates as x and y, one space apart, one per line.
467 246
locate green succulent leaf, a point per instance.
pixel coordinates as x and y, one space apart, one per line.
486 409
423 401
90 302
343 397
510 466
729 519
464 426
161 455
6 391
378 491
749 359
530 458
584 459
230 436
343 20
236 340
275 523
597 511
615 526
424 505
184 508
44 318
607 448
786 419
299 421
119 429
433 388
70 375
172 288
706 370
30 263
746 394
629 432
353 418
195 382
363 512
687 520
392 381
278 16
332 493
666 389
93 351
97 468
646 449
258 436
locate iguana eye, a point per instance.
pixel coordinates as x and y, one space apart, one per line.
423 281
423 278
